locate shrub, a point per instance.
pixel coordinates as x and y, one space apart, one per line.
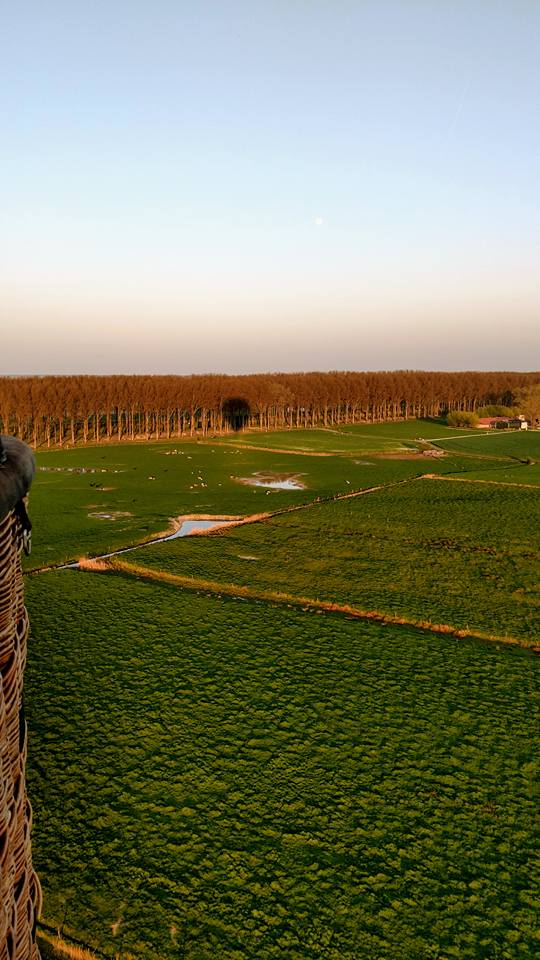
462 418
496 410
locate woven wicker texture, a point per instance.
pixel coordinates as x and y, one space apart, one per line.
20 895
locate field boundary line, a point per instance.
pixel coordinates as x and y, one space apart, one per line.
296 451
287 599
494 483
62 947
252 446
335 497
476 432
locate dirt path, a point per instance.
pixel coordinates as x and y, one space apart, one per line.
481 433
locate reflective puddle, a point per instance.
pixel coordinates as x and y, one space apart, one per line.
277 484
195 526
273 481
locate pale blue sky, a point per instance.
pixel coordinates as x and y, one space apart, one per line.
269 184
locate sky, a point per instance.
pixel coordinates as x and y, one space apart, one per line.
255 185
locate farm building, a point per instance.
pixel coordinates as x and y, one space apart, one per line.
502 423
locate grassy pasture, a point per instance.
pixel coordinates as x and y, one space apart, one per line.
495 443
322 440
508 471
349 438
219 778
149 484
213 778
458 553
144 485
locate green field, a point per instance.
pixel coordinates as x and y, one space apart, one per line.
143 485
496 443
433 550
350 439
508 471
228 777
231 780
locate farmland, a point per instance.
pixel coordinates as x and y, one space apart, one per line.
141 486
347 438
469 547
248 782
507 471
215 774
495 443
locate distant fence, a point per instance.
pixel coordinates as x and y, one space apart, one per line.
20 894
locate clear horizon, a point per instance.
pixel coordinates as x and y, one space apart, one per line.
282 186
266 373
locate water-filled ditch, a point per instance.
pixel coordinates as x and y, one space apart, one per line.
185 529
194 526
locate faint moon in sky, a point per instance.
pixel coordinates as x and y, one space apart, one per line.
318 221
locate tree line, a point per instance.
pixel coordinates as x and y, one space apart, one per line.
60 410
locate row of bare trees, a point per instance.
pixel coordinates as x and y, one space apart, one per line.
67 410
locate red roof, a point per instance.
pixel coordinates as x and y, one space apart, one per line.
488 420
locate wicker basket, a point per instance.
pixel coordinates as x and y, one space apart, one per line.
20 895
